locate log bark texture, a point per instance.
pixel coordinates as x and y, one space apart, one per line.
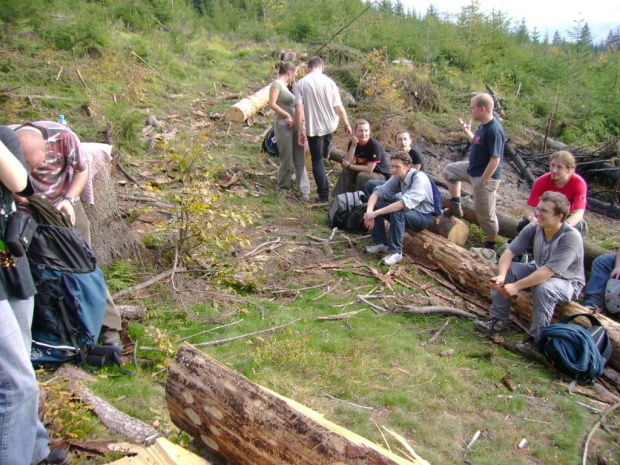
248 424
472 273
248 106
109 234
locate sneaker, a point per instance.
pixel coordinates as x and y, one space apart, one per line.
528 347
57 457
454 209
491 326
392 259
375 248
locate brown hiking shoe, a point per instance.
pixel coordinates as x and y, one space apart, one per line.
454 209
491 326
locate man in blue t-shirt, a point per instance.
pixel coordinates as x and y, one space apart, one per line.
483 170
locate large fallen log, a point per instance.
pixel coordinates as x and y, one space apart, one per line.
248 106
508 225
247 423
470 272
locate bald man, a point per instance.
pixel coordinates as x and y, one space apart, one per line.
59 174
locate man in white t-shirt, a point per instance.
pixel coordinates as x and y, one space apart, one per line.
318 101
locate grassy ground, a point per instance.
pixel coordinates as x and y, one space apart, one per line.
382 362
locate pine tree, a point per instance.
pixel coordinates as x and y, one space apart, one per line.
522 33
557 38
535 35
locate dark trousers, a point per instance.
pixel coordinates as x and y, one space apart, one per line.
319 149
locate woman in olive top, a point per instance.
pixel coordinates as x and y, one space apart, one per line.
282 101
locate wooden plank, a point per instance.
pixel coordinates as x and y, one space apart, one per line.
163 452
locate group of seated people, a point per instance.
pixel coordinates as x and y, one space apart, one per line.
553 228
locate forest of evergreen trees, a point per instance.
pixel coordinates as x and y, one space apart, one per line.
569 78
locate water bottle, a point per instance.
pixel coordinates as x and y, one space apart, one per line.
62 120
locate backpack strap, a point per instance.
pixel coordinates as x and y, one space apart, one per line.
75 340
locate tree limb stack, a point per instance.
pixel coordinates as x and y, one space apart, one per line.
247 423
473 273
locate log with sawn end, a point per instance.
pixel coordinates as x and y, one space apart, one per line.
247 423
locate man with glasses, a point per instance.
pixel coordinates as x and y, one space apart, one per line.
556 276
405 200
561 178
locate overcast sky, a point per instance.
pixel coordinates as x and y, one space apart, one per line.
546 15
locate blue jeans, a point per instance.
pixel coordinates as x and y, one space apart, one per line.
594 293
371 185
319 149
23 439
545 295
399 220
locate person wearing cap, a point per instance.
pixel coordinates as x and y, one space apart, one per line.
59 174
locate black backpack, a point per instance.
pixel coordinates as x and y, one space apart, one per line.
581 353
343 207
269 143
70 302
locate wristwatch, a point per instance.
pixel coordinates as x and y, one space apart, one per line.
71 200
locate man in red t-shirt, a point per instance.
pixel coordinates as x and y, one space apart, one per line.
561 178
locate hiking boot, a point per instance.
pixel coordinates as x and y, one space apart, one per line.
375 248
528 347
491 326
392 259
111 337
57 457
454 209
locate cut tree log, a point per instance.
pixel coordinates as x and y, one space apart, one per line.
248 106
247 423
472 273
453 229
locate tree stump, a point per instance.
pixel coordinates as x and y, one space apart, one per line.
247 423
109 234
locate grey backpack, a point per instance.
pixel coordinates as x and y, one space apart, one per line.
342 207
612 296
